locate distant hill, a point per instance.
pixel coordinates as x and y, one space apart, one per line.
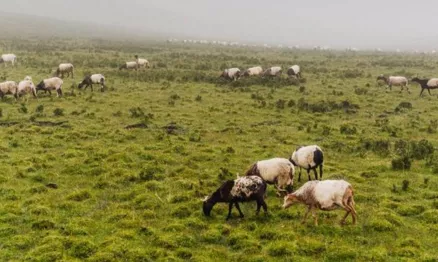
20 25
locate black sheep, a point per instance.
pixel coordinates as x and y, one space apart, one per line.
243 189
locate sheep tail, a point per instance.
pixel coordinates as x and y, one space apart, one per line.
253 171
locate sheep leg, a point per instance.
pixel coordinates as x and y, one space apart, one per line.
91 86
265 207
230 206
238 208
407 89
315 216
353 210
316 173
259 205
299 175
308 174
428 90
306 214
345 216
50 93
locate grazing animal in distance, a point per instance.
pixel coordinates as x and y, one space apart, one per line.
428 84
49 84
309 158
324 195
395 81
8 87
89 80
65 68
141 62
231 73
8 58
26 87
253 71
277 171
243 189
274 71
294 71
129 65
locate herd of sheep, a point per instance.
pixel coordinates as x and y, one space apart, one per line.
315 194
26 86
274 71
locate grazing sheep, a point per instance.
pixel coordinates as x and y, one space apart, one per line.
294 71
277 171
8 87
65 68
426 84
8 58
273 71
243 189
49 84
308 157
89 80
324 195
26 87
253 71
395 81
141 62
231 74
129 65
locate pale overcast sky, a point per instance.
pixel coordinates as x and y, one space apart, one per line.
335 23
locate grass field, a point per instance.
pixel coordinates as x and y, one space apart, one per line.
134 194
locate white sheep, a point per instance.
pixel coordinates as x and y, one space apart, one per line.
8 87
395 81
324 195
231 73
65 68
253 71
26 87
141 62
49 84
89 80
129 65
277 171
273 71
8 58
309 158
294 71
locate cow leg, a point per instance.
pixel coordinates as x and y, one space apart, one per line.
238 208
230 206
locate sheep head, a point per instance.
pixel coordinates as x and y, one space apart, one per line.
289 200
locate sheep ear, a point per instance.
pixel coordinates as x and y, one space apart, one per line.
237 175
226 188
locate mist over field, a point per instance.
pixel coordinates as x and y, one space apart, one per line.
339 24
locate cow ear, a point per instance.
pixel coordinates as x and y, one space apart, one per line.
226 188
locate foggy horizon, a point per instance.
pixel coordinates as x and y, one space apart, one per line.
341 24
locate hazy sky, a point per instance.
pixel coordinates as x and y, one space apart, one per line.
335 23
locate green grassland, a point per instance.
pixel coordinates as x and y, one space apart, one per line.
134 194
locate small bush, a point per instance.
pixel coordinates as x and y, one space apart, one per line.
403 106
58 112
401 163
347 129
83 249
